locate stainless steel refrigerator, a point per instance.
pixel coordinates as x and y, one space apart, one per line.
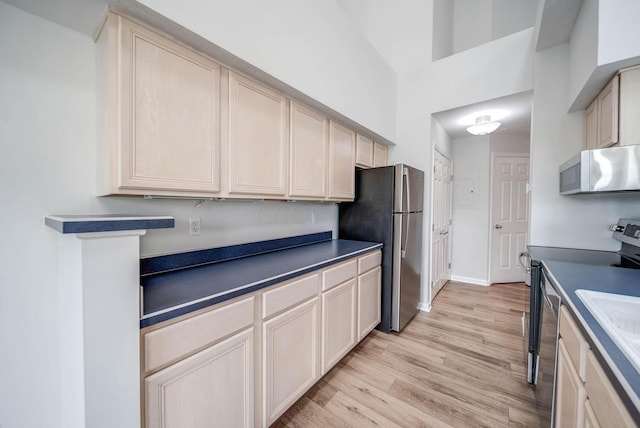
388 209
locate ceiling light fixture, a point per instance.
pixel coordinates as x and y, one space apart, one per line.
483 126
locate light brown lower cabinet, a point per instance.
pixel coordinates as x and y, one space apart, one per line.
590 420
584 397
290 348
571 394
338 323
369 309
211 388
245 362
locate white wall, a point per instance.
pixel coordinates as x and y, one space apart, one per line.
471 222
311 46
48 140
509 143
618 31
578 221
583 49
441 139
470 226
464 24
224 223
471 24
442 44
47 136
511 16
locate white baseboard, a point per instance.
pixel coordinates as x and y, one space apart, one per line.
474 281
425 307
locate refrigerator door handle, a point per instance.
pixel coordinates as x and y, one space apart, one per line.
405 238
406 209
405 179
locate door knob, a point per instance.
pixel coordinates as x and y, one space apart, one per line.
498 226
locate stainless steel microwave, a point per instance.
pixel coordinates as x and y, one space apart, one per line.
614 169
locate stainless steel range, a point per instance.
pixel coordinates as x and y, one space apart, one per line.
545 302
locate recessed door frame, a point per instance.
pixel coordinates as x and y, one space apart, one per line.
432 219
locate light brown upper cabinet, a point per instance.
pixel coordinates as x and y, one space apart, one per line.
364 151
608 114
591 126
175 123
379 155
342 145
309 153
612 118
257 139
629 127
161 129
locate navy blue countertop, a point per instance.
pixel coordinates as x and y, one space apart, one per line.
574 276
171 294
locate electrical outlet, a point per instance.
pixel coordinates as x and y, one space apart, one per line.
194 226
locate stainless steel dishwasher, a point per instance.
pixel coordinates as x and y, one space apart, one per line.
545 387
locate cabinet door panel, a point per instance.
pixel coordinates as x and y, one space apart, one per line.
608 114
341 162
338 323
570 394
211 388
591 125
309 152
369 309
379 155
603 398
170 98
290 358
258 138
364 151
629 131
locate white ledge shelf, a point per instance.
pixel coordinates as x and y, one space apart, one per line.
107 223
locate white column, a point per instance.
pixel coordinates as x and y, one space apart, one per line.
100 334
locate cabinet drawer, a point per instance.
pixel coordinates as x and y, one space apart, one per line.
288 295
577 347
607 405
369 261
169 343
339 274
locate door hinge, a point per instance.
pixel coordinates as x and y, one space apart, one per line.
433 227
449 265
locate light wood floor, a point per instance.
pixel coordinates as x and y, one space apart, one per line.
460 365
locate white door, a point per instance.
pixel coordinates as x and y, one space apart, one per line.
440 237
509 217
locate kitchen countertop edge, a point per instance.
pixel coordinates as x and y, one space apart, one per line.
178 310
608 352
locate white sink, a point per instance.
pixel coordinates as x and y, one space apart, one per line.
619 316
